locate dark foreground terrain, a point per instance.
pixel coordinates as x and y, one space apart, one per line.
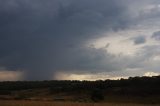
49 103
135 91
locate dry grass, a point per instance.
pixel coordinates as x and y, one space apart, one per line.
48 103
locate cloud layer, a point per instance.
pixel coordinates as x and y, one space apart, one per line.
42 38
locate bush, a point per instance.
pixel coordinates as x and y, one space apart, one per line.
97 95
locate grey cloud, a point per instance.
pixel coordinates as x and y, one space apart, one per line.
143 60
156 35
41 37
150 53
145 12
139 40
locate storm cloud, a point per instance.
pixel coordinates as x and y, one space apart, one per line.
42 37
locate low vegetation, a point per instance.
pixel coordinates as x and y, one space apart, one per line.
137 90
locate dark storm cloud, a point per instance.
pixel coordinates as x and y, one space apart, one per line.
41 37
139 40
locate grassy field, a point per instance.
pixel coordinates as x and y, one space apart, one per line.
48 103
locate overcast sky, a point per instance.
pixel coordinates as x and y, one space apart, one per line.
79 39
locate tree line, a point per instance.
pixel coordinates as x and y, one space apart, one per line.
133 86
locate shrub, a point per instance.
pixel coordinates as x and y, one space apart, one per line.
97 95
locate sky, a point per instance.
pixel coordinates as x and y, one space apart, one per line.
79 39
